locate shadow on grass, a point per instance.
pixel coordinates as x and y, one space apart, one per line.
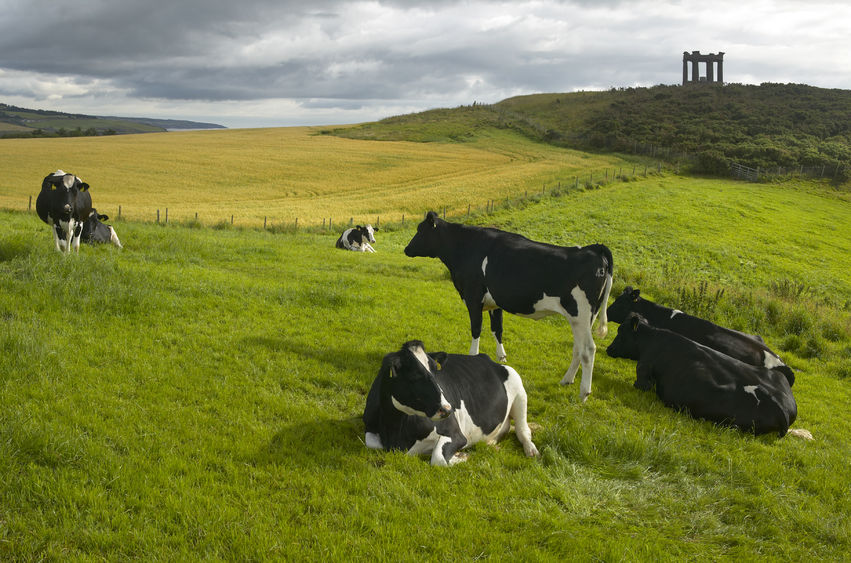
313 444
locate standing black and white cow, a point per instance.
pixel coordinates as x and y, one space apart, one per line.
95 232
440 403
494 271
748 348
357 239
64 203
705 382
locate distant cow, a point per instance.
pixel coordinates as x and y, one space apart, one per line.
495 270
95 232
440 403
357 239
742 346
705 382
64 203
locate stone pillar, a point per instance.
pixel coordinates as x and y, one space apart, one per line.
721 67
685 68
695 70
710 69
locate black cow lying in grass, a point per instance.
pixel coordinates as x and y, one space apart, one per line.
704 382
440 403
95 232
357 239
748 348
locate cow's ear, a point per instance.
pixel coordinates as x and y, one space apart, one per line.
439 358
636 294
432 217
84 186
635 321
395 365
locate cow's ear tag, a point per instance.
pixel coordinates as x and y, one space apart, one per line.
52 187
392 372
439 367
635 324
635 295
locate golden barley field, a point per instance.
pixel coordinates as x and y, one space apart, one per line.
283 174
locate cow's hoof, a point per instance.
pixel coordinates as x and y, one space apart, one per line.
502 359
584 397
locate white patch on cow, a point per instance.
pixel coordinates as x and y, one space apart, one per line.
113 238
474 347
373 441
546 306
517 402
752 390
68 180
772 361
426 445
420 355
370 234
488 304
485 266
406 409
676 312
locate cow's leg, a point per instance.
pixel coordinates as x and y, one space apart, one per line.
496 329
58 237
602 328
475 310
521 425
76 229
583 344
445 450
368 247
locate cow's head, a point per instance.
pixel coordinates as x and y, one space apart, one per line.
427 240
408 378
623 305
625 344
64 189
367 232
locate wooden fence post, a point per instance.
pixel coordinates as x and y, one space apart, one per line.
158 215
30 204
231 219
296 223
264 222
119 212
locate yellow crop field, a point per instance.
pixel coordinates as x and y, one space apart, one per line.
284 174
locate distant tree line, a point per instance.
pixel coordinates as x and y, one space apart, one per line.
61 132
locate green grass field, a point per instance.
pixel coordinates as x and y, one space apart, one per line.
198 394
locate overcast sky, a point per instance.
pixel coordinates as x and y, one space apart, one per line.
251 63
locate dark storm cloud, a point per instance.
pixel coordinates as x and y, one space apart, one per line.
394 53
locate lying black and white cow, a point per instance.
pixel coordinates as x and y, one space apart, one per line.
64 203
494 271
439 403
705 382
748 348
95 232
357 239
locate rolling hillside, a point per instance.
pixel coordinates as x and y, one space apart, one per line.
22 122
770 125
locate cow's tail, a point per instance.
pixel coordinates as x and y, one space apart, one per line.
603 302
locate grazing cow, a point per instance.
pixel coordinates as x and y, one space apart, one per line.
441 403
494 271
742 346
64 203
357 239
95 232
705 382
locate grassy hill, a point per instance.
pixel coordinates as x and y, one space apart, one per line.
23 122
770 125
197 395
